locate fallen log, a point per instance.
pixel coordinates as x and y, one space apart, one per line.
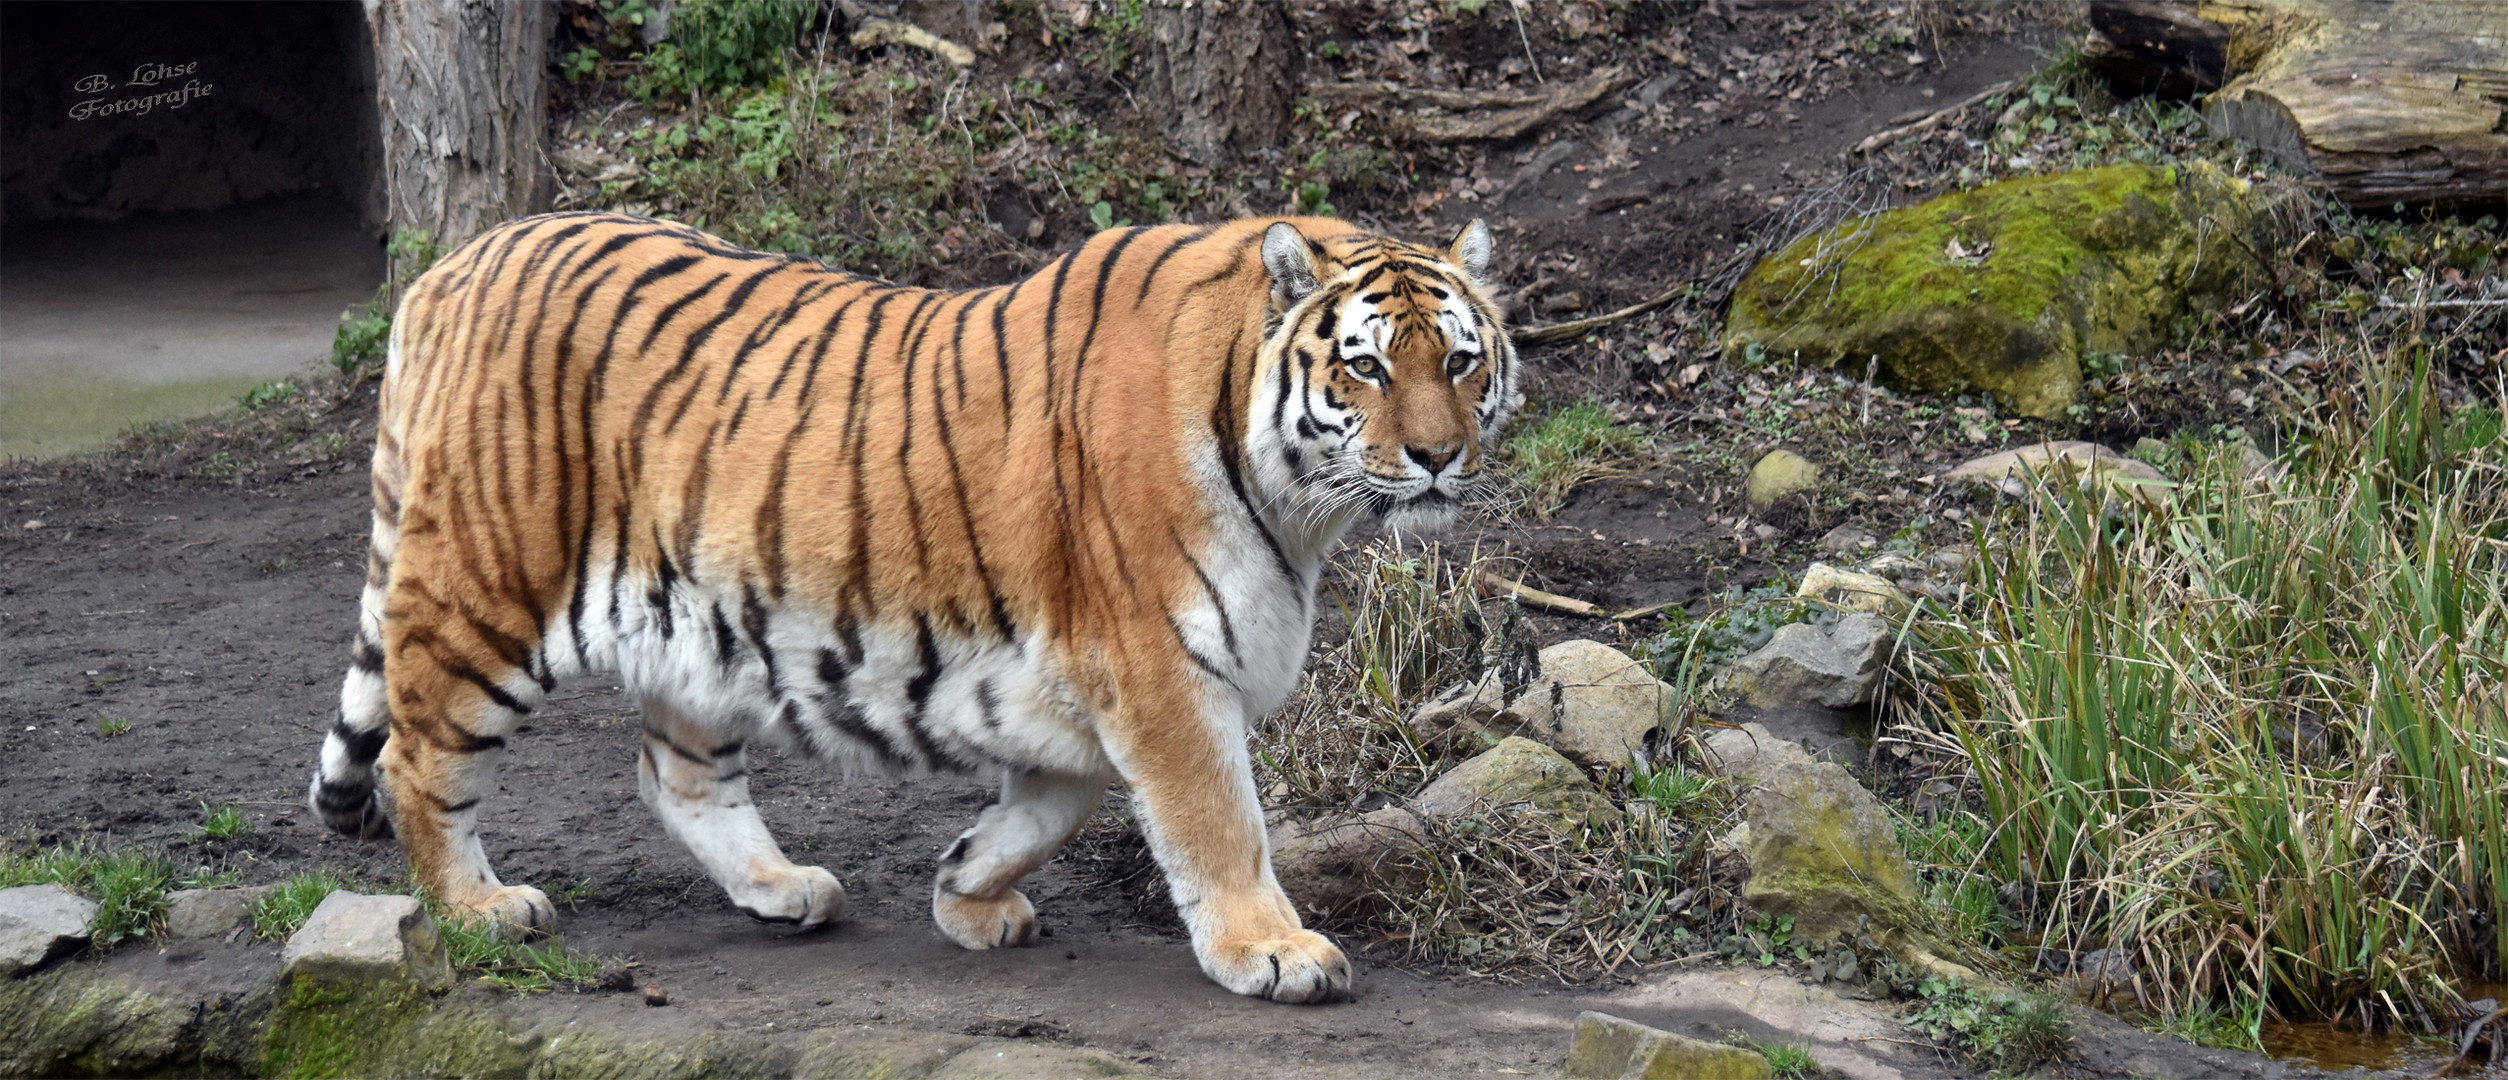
2387 102
1520 111
2156 47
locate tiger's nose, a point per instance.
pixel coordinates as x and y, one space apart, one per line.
1432 460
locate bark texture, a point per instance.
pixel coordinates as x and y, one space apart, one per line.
2156 47
1221 69
2390 102
459 90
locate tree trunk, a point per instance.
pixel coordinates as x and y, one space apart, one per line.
458 86
2156 47
1220 70
2389 102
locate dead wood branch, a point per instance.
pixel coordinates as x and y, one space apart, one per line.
872 33
1540 599
1519 111
1930 121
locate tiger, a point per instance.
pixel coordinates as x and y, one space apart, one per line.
1058 533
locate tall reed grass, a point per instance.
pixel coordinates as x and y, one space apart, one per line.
2258 739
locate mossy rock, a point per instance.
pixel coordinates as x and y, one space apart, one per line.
2003 289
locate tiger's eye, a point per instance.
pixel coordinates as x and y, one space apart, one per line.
1364 367
1458 363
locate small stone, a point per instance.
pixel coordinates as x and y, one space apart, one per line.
1606 1047
1779 474
1851 590
39 922
203 913
1590 702
1846 539
1835 668
654 996
618 976
1516 771
354 937
1748 752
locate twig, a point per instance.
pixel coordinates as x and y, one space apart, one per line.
2390 302
1886 136
1573 328
1650 609
1517 8
1538 598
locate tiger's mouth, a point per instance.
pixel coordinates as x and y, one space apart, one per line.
1430 511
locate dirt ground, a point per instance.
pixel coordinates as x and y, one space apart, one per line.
204 600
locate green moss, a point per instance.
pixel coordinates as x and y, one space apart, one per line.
2001 289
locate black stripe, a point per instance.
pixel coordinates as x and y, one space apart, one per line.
1227 626
753 620
362 746
486 686
1199 660
726 645
1151 274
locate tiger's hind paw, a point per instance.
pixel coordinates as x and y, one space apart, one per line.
805 896
516 912
1300 968
1005 923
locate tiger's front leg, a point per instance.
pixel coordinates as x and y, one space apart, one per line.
1183 751
696 778
973 898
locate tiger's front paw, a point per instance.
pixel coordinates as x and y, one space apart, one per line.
1301 967
985 924
517 912
805 896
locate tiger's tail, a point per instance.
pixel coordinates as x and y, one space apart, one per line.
344 788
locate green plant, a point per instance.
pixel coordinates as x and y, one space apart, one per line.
2015 1033
128 887
365 332
1573 445
288 906
2255 734
718 45
1677 791
514 967
1790 1061
225 821
112 726
277 392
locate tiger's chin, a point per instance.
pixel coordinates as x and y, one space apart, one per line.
1431 514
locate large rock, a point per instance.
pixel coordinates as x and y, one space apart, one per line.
202 913
1822 850
355 938
2063 461
1835 667
1590 701
2005 288
1749 751
1516 772
39 922
1606 1047
1327 867
1779 474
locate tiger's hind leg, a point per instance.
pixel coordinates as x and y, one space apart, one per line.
344 779
696 779
973 899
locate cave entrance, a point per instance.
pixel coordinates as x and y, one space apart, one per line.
190 194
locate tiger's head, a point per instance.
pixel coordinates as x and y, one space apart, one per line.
1394 377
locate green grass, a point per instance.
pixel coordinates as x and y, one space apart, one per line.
1679 792
1789 1061
515 967
1573 445
111 726
2256 738
224 821
128 887
287 907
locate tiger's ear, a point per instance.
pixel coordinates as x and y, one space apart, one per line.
1291 260
1471 249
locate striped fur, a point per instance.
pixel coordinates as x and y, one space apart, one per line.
1064 532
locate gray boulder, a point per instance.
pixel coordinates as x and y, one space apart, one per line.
1516 772
1836 668
39 922
1606 1047
354 938
203 913
1590 701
